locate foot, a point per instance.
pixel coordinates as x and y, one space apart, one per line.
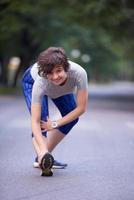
36 163
46 165
47 173
46 162
56 165
59 165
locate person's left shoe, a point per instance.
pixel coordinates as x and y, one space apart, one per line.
56 164
36 163
59 165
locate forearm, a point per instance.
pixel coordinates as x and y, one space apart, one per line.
82 99
70 116
35 120
38 136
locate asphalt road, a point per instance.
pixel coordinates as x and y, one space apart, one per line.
99 152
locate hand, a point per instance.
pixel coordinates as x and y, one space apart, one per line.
40 156
46 125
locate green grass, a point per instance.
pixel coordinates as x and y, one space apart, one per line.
9 90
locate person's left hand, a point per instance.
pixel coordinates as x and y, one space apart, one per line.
46 125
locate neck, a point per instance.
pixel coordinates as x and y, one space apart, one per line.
64 82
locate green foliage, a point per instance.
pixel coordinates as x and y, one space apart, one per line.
103 29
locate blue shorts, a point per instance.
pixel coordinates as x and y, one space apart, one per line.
65 104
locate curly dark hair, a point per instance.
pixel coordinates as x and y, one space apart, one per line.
51 57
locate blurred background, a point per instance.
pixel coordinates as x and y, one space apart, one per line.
99 35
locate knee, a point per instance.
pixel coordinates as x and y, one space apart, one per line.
66 128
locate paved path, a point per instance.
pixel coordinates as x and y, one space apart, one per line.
99 152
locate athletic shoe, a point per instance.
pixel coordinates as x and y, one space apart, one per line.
59 165
56 165
46 173
46 161
46 164
36 163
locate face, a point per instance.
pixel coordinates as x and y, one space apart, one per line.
58 75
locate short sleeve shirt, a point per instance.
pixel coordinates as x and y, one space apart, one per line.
77 80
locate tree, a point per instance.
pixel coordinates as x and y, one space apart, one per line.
28 27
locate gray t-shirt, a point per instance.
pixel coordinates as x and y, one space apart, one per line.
77 79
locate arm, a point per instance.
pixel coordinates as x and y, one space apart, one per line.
82 99
36 114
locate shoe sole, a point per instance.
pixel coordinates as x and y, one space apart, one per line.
58 167
46 165
36 165
46 173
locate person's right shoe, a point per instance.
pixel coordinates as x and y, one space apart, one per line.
46 173
56 164
46 161
46 164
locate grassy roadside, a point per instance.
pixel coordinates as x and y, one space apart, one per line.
10 91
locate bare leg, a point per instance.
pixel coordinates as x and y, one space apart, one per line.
36 146
53 139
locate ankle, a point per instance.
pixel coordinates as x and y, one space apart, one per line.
40 155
